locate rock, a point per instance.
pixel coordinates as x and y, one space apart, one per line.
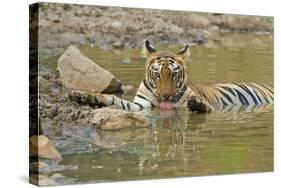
115 119
126 60
198 20
200 37
44 180
37 167
42 147
41 180
97 167
57 176
78 72
116 24
74 167
214 33
118 44
176 29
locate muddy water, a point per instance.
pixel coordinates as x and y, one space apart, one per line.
178 143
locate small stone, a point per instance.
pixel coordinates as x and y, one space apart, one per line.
126 60
141 163
116 24
155 166
44 181
117 44
74 167
57 176
176 29
119 170
97 167
42 147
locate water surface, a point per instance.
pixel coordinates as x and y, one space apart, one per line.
179 143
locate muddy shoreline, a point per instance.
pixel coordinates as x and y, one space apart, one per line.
61 25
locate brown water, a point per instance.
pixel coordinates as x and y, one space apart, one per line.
179 143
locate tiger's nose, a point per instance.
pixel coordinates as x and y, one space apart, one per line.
168 97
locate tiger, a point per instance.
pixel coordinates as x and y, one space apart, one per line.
167 85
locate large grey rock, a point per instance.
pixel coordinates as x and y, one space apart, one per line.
78 72
115 119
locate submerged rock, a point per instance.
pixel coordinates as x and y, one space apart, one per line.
115 119
78 72
42 147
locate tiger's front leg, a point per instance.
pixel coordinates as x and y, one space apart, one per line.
93 99
102 100
196 103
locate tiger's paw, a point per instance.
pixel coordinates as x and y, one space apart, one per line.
82 97
79 97
197 104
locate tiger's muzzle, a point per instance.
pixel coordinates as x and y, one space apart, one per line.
166 85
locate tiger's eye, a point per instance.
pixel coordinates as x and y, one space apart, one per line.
175 74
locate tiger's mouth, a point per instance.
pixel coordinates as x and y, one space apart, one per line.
166 103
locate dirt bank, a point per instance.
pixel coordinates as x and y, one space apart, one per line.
113 27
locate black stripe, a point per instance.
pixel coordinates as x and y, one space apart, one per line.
140 105
260 91
269 89
174 59
224 103
181 76
184 88
113 99
228 89
257 95
158 58
172 63
241 97
142 97
226 96
249 92
153 68
123 106
145 84
128 106
266 87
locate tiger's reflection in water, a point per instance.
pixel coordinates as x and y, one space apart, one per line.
168 132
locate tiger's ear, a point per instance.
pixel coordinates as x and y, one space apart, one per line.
148 50
184 53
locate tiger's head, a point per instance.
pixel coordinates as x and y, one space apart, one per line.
165 72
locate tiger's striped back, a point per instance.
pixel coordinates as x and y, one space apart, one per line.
245 93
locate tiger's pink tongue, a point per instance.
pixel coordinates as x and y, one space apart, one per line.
166 105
